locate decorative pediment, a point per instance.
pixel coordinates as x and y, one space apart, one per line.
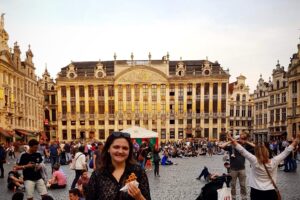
142 76
99 71
180 69
206 68
71 73
5 56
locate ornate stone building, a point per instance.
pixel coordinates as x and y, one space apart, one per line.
177 99
240 107
20 94
50 106
293 106
278 93
260 101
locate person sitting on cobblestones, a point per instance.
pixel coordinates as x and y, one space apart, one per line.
58 180
74 194
14 180
117 168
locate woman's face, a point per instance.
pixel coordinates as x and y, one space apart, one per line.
119 150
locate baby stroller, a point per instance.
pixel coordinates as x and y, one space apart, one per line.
209 190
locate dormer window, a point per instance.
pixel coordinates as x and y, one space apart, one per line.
99 71
71 73
180 69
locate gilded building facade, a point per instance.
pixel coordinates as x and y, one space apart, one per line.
293 106
278 93
21 98
50 106
240 107
260 101
177 99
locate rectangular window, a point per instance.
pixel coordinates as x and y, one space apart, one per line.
249 111
73 107
215 88
65 134
101 134
91 90
63 91
111 106
154 92
198 90
101 122
231 110
73 134
206 89
277 115
243 111
128 122
120 122
277 98
172 90
100 91
53 100
64 107
92 122
272 100
172 134
136 92
180 133
163 134
272 116
120 92
120 104
237 111
215 133
81 91
283 97
101 107
128 93
145 92
111 122
137 122
145 107
154 105
180 105
265 118
283 114
72 91
53 111
111 91
224 86
91 107
82 107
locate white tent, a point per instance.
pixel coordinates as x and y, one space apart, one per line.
139 132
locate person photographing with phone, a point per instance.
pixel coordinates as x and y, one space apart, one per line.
263 172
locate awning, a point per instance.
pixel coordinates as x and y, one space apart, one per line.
22 132
6 133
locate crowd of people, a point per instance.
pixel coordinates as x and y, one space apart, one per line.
115 160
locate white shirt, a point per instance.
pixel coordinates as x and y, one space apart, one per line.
259 178
80 162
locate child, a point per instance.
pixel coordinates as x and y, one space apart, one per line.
83 181
74 194
58 180
14 180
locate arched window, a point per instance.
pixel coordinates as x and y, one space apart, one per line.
244 98
238 97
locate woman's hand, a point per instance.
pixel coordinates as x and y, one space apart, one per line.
230 138
135 192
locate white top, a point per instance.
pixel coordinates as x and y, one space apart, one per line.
81 161
259 178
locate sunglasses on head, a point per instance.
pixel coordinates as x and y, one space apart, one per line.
121 134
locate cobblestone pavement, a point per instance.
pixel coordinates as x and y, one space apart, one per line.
176 182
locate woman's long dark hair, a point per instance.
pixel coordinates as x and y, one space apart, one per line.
106 158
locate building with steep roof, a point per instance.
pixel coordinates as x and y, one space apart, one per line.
240 107
260 101
278 93
293 106
178 99
21 98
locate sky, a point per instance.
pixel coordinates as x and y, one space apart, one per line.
246 36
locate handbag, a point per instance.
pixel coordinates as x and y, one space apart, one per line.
275 186
224 193
73 163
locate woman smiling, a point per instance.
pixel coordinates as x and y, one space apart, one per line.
117 165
